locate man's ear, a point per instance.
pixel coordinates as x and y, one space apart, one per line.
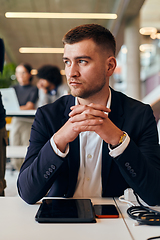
111 64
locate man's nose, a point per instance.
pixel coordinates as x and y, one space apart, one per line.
73 71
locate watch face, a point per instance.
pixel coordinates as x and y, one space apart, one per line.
122 138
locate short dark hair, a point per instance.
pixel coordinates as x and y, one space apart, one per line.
50 73
100 35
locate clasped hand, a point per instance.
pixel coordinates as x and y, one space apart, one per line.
92 117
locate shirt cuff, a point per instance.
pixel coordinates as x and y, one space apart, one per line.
120 149
57 151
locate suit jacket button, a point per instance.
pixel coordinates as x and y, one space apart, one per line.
45 176
53 167
50 169
48 173
127 164
134 174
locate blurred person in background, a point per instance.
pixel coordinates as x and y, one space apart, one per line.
3 132
27 95
50 85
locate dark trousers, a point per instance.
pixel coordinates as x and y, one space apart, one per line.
3 143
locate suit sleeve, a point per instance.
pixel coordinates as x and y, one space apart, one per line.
140 162
41 164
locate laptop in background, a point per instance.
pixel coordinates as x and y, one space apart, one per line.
9 99
11 104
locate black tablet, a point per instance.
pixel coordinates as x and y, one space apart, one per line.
65 211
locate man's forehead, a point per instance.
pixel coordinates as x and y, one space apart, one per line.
79 43
82 48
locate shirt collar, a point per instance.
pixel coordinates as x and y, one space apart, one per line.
109 99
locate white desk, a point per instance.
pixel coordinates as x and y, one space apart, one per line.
16 151
141 232
17 221
21 113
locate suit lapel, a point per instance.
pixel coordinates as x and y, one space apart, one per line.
116 116
73 157
70 102
73 163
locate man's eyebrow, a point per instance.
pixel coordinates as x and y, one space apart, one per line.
78 57
64 58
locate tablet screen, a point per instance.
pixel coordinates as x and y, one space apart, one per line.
65 210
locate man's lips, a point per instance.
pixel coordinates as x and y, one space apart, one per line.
74 83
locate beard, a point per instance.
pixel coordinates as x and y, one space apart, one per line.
89 91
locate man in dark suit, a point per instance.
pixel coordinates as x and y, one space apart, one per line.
95 142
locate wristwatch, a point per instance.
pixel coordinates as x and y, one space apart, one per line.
122 138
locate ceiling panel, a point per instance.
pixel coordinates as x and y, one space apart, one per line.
49 32
150 14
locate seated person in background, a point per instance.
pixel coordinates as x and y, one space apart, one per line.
27 95
3 132
96 142
50 85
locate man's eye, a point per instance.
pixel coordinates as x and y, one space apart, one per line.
82 61
67 63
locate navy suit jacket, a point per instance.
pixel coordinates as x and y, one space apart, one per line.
138 167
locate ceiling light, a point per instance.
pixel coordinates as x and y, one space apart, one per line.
34 71
60 15
40 50
62 72
147 30
153 35
146 47
158 35
124 49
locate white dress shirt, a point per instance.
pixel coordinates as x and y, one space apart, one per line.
89 183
